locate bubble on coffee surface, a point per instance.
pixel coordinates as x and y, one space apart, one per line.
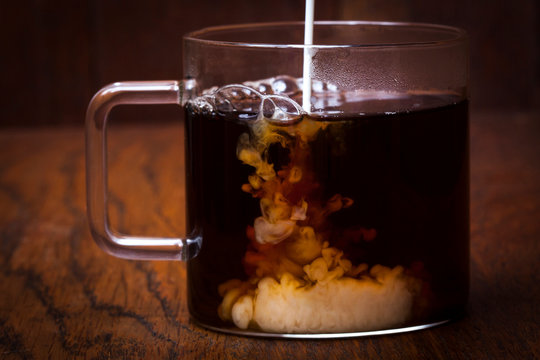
296 281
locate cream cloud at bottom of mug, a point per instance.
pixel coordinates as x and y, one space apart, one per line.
382 299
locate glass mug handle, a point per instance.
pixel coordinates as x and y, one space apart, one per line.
123 246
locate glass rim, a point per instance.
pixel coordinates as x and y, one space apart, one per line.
455 35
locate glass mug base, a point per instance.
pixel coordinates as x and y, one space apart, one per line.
314 336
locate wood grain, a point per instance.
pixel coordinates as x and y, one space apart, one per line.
62 297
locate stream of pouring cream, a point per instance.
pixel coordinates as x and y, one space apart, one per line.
308 40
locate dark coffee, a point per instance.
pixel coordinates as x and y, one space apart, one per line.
376 195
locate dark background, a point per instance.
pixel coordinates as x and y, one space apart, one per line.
57 53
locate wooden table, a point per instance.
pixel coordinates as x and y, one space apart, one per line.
62 297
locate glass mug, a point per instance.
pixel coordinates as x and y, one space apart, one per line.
347 218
